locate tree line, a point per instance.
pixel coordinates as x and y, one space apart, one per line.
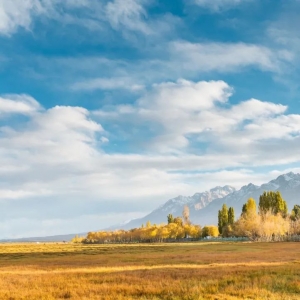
269 221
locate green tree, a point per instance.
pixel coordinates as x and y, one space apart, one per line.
222 218
170 218
272 202
220 226
231 215
295 215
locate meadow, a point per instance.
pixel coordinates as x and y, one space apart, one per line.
190 271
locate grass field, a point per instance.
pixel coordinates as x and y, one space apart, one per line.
150 271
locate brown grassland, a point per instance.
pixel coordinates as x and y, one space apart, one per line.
150 271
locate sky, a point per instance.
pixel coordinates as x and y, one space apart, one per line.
110 108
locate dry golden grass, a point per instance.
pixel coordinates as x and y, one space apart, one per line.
161 271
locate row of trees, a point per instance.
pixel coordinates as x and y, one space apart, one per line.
176 229
225 217
152 233
269 221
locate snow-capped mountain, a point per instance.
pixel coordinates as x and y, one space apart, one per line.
175 206
197 201
204 206
287 184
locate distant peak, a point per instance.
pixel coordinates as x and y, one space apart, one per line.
249 186
287 177
225 187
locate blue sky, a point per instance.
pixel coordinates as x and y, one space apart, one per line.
110 108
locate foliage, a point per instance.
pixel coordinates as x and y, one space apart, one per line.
249 208
170 218
231 215
77 239
295 215
225 219
270 224
272 202
210 231
154 233
178 221
222 217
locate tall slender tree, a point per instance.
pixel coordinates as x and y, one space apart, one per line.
170 218
231 216
222 218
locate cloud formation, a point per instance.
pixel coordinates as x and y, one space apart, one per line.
115 130
22 104
114 83
188 112
61 152
125 16
217 5
128 14
14 14
181 59
224 57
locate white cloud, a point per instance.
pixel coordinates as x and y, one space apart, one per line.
20 194
55 162
179 59
58 135
195 59
217 5
123 83
17 13
21 104
128 14
222 57
187 112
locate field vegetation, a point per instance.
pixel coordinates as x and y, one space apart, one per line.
137 264
184 271
269 222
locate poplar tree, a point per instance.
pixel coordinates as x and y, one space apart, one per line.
272 202
222 218
170 218
231 215
295 215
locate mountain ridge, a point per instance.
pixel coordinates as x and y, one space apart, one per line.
203 206
206 212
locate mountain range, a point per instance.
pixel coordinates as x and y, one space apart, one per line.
204 206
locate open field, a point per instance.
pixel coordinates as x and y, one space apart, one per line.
150 271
